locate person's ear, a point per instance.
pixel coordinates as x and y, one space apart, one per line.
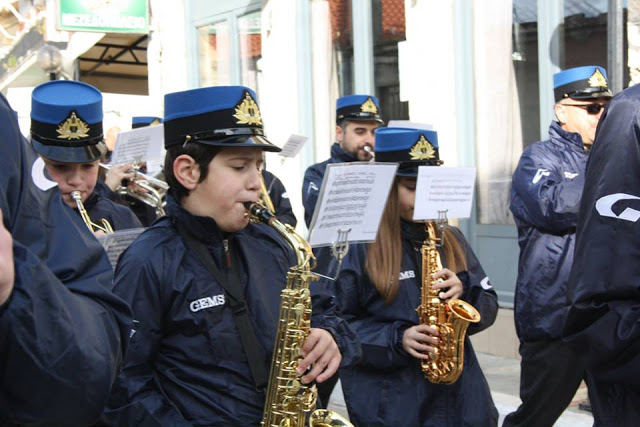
339 133
186 171
561 113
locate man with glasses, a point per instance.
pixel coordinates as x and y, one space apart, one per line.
545 197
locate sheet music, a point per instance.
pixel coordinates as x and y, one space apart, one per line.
142 144
353 196
441 188
115 243
292 147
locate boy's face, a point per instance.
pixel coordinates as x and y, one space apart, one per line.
73 177
232 180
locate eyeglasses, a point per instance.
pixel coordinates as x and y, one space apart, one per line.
592 109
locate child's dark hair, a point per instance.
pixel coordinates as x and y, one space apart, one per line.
201 153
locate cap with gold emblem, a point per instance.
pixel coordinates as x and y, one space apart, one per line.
358 107
222 116
142 121
408 147
588 82
66 121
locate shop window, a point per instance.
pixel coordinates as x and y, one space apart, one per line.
250 49
213 54
342 41
389 28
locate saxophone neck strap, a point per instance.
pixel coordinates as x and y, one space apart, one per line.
233 288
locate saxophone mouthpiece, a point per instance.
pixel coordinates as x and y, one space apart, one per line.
76 195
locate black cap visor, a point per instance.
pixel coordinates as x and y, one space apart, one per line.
85 154
257 141
410 169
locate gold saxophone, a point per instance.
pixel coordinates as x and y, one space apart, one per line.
451 318
288 400
104 225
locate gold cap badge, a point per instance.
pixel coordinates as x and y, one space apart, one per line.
73 128
369 107
247 112
422 150
597 79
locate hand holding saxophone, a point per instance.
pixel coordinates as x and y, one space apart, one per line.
418 341
321 353
450 284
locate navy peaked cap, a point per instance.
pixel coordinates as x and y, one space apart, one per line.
221 116
66 121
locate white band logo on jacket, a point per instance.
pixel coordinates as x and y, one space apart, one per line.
605 203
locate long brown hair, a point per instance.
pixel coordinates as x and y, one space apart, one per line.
384 257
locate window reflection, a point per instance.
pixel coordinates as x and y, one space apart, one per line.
389 28
213 54
342 40
250 49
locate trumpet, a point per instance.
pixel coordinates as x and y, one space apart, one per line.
104 225
154 188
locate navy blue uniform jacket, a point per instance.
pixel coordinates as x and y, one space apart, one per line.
388 387
545 197
186 364
62 331
313 177
603 318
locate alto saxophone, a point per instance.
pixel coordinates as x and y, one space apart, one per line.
104 225
451 318
288 400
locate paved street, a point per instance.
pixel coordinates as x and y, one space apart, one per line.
503 375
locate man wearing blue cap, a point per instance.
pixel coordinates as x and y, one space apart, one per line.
357 116
204 284
545 197
62 332
66 130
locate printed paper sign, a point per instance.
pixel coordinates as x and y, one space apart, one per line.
293 146
115 243
352 197
408 124
441 188
141 144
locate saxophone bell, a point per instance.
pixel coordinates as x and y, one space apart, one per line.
103 225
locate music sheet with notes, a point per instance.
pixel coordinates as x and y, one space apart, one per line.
441 188
141 144
352 197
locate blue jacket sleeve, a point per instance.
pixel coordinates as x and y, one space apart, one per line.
310 191
542 196
325 315
379 339
136 399
477 289
61 344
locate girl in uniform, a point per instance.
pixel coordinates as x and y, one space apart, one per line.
379 289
